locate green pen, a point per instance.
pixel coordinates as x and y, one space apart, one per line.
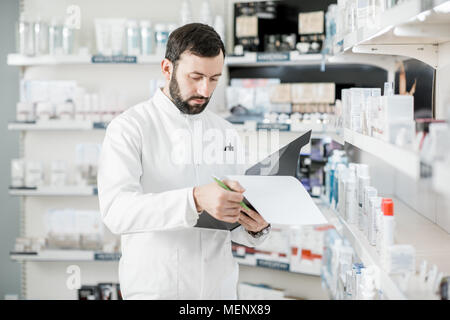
223 185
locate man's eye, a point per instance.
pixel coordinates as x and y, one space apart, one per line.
214 79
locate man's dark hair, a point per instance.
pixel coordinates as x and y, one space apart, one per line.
196 38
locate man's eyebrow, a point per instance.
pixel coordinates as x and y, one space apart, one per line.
204 75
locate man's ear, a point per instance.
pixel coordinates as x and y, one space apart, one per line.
167 69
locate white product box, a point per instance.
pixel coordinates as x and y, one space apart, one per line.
400 259
393 111
25 111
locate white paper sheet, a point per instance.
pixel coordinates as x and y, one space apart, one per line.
281 200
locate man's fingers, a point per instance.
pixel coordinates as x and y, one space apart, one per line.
234 185
234 196
243 219
230 219
232 212
254 215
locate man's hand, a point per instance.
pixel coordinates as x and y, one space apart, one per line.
253 221
222 204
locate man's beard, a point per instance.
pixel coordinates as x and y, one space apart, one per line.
183 105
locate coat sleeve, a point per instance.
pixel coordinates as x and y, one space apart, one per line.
124 207
241 236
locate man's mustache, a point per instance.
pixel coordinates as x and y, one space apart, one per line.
199 98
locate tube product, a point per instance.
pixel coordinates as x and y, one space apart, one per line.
388 221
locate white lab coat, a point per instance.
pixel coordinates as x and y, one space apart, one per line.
147 198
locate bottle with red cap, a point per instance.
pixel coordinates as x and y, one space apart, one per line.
388 225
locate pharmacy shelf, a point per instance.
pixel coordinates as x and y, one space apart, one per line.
254 59
363 250
15 59
306 269
413 28
54 191
441 176
64 255
57 125
433 244
405 160
87 255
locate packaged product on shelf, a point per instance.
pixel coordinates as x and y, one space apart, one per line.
366 99
161 38
58 173
108 291
74 229
86 163
388 224
362 13
374 232
343 173
25 41
133 39
34 175
369 222
395 112
68 39
117 35
38 244
44 111
400 259
65 110
40 33
88 293
356 100
351 213
388 89
56 36
25 112
90 228
311 30
346 112
22 245
147 37
60 229
17 173
363 177
103 36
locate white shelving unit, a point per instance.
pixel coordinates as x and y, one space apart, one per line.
251 59
407 30
415 29
405 160
49 255
412 28
64 256
56 125
409 224
50 191
50 60
306 269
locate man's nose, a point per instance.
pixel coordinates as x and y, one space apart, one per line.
205 88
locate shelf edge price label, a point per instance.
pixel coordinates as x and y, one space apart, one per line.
272 56
114 59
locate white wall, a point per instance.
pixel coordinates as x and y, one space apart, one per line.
9 142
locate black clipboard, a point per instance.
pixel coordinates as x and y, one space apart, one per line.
280 163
